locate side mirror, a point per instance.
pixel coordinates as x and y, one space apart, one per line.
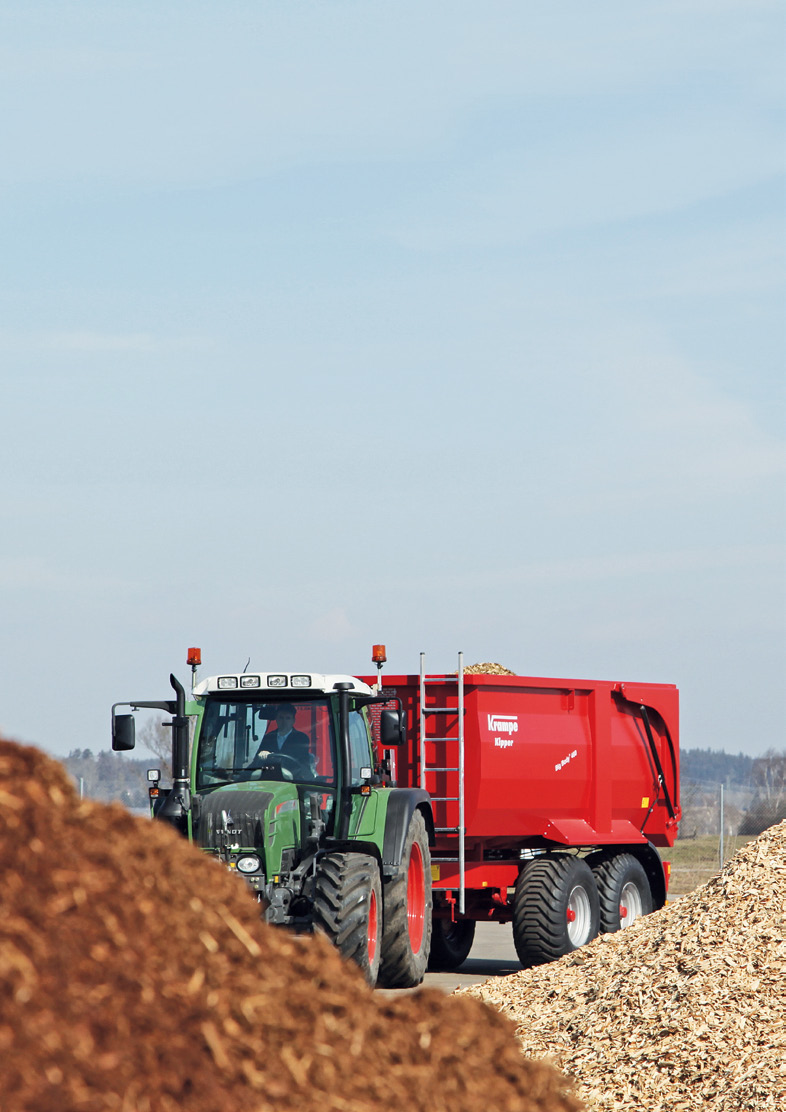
123 732
392 731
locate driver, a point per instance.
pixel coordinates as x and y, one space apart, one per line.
287 742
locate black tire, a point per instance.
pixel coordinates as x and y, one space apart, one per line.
624 890
348 908
450 943
556 908
406 938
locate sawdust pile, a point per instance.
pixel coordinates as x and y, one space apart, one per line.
136 976
487 669
684 1010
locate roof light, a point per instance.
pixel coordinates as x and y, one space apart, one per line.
194 657
250 681
300 681
378 655
277 681
226 682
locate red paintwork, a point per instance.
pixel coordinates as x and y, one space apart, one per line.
416 898
547 761
373 928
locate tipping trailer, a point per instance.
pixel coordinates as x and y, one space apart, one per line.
395 816
549 799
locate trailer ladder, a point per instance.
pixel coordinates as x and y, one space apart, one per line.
458 710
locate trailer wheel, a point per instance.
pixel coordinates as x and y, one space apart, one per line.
555 908
624 890
406 938
450 943
348 908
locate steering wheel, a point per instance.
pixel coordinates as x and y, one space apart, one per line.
286 765
280 758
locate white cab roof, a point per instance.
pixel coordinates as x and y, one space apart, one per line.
276 683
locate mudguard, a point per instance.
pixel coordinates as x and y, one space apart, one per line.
402 805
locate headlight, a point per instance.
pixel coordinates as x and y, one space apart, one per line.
248 864
301 681
225 682
249 681
277 681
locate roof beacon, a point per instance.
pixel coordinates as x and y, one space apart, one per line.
379 658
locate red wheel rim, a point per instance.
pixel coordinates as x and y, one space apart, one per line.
372 936
416 898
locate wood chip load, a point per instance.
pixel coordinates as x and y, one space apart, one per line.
684 1010
487 669
136 976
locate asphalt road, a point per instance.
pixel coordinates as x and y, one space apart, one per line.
493 955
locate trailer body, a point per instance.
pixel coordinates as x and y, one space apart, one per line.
549 766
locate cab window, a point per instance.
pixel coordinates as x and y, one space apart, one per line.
358 747
234 731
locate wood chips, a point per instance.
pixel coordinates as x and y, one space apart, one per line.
136 976
683 1010
487 670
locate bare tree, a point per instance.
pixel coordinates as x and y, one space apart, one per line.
769 774
156 737
769 804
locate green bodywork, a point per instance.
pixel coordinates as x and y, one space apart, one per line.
283 814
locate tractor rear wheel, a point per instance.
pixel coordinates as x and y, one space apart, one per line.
556 908
406 939
348 908
450 943
625 893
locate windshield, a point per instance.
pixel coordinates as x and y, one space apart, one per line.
246 739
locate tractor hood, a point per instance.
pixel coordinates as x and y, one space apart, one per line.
264 818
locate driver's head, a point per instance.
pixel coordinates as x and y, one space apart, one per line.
285 717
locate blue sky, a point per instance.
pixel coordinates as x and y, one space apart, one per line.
448 325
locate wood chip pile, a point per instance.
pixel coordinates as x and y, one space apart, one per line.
488 669
684 1010
136 976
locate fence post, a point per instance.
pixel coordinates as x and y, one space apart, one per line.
720 845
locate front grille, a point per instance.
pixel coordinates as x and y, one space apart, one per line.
245 811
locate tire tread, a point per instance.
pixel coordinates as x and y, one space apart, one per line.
539 928
341 902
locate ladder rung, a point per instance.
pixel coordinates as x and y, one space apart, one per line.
440 710
429 738
446 830
444 860
430 768
439 679
445 798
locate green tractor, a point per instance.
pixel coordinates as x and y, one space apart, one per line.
283 784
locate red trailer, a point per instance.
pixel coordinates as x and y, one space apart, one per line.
549 797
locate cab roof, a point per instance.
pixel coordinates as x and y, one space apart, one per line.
273 683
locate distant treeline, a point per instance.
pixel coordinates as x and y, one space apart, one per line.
755 790
712 766
110 776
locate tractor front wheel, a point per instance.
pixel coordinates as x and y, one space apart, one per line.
348 908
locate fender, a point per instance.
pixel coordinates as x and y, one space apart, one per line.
350 845
402 805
